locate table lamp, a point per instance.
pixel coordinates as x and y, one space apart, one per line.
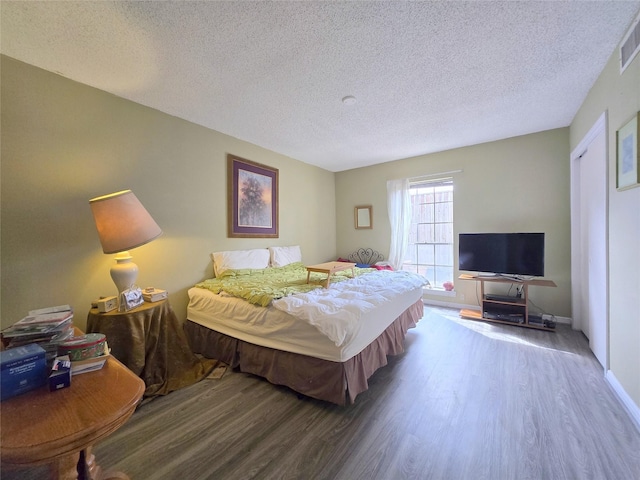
123 224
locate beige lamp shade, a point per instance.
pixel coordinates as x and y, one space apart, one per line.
122 222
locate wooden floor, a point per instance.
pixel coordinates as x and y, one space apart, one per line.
467 400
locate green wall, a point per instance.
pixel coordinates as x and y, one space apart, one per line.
516 185
619 96
64 143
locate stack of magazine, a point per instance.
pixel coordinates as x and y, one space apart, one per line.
47 327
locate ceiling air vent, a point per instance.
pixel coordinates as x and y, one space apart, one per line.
630 45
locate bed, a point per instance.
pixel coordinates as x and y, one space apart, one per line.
322 343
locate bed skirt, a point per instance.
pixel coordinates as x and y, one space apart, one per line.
335 382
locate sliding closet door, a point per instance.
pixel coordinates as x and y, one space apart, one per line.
589 243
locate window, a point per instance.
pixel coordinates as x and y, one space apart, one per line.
430 251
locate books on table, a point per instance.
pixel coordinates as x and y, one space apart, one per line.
45 327
88 365
48 327
154 294
57 309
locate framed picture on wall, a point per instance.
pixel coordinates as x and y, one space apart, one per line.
364 216
627 172
252 199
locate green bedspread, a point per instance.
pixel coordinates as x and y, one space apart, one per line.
260 287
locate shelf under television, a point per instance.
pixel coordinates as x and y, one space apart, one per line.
476 315
518 307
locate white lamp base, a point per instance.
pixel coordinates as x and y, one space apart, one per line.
124 272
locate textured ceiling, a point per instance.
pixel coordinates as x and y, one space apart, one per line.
427 76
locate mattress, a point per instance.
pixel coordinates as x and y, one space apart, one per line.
273 328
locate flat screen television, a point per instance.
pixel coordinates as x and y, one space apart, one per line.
502 253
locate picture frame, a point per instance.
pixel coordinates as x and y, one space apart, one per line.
627 171
130 299
363 217
252 199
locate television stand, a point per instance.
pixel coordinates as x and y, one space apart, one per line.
506 310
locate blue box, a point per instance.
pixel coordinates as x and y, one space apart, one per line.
22 369
60 378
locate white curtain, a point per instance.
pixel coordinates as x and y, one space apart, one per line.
399 208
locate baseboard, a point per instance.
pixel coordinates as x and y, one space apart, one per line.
460 306
439 303
565 320
625 399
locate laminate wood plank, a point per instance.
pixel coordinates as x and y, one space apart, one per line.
467 400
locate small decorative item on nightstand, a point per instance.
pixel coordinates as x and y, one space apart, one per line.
106 304
151 294
130 299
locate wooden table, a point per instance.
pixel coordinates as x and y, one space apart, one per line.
507 310
151 342
330 268
59 428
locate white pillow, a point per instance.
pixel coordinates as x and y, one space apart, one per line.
282 256
238 259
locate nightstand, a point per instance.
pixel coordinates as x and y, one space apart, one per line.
150 341
58 428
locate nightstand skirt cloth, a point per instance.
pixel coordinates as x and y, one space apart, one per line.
150 341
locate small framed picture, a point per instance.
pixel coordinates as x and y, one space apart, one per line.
627 173
130 299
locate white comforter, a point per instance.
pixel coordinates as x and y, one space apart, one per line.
336 311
